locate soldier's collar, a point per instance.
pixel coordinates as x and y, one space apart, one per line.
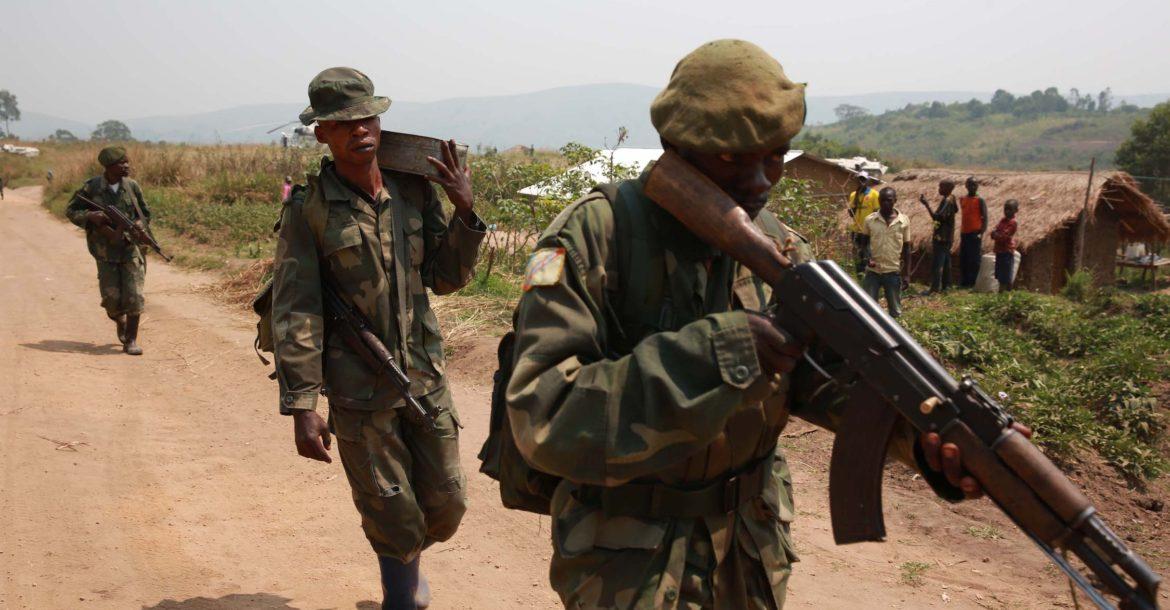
107 184
336 188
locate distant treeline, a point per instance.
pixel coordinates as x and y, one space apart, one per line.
1038 103
1046 129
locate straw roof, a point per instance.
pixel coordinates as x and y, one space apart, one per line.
1048 201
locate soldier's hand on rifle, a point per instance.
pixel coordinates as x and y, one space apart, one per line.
777 350
455 180
946 458
311 434
96 218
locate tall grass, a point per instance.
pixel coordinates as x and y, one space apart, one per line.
211 203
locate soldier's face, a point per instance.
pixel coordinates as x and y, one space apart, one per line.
747 177
351 142
118 170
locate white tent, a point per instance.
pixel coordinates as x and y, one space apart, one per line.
597 169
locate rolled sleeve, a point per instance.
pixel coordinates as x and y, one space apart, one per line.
292 402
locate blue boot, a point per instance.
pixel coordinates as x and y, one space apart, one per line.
399 583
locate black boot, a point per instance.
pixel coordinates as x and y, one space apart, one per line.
131 344
399 583
120 323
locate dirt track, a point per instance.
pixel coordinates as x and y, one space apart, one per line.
169 481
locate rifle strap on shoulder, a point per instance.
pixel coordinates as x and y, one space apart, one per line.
135 198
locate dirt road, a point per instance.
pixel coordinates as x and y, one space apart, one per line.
169 481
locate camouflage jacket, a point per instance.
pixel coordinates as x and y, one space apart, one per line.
687 405
382 256
103 245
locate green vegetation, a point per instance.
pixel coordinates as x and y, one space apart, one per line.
984 532
1085 375
1044 130
913 571
1147 153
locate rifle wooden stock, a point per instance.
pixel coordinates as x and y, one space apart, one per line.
710 213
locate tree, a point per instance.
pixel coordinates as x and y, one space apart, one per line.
1105 100
1147 152
111 131
846 112
976 109
1002 102
9 111
63 135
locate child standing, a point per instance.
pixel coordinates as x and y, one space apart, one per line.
1004 237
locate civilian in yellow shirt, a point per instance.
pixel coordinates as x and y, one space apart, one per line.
889 263
862 203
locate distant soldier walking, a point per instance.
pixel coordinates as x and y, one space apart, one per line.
379 238
121 264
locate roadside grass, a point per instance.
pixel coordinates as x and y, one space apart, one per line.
984 532
913 572
1082 374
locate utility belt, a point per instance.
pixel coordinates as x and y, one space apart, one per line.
659 500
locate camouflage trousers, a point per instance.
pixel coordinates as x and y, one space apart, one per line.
122 286
407 483
734 561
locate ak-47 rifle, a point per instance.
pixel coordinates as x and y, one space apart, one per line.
360 337
122 224
888 375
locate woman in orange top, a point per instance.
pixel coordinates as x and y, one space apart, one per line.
973 212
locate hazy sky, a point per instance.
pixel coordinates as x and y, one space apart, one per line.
91 61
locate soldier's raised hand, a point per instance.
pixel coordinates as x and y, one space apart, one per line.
455 180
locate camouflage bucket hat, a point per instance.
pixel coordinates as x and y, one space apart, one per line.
342 94
111 155
729 96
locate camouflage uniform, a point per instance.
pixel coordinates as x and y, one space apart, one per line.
121 265
646 395
382 255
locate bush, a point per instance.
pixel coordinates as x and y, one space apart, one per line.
1080 373
1078 286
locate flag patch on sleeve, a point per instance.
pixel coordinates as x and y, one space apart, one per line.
545 268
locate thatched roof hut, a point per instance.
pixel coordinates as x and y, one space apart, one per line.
1050 205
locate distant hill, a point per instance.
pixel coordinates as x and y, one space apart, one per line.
589 114
1030 132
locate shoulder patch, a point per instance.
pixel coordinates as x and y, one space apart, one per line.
545 268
